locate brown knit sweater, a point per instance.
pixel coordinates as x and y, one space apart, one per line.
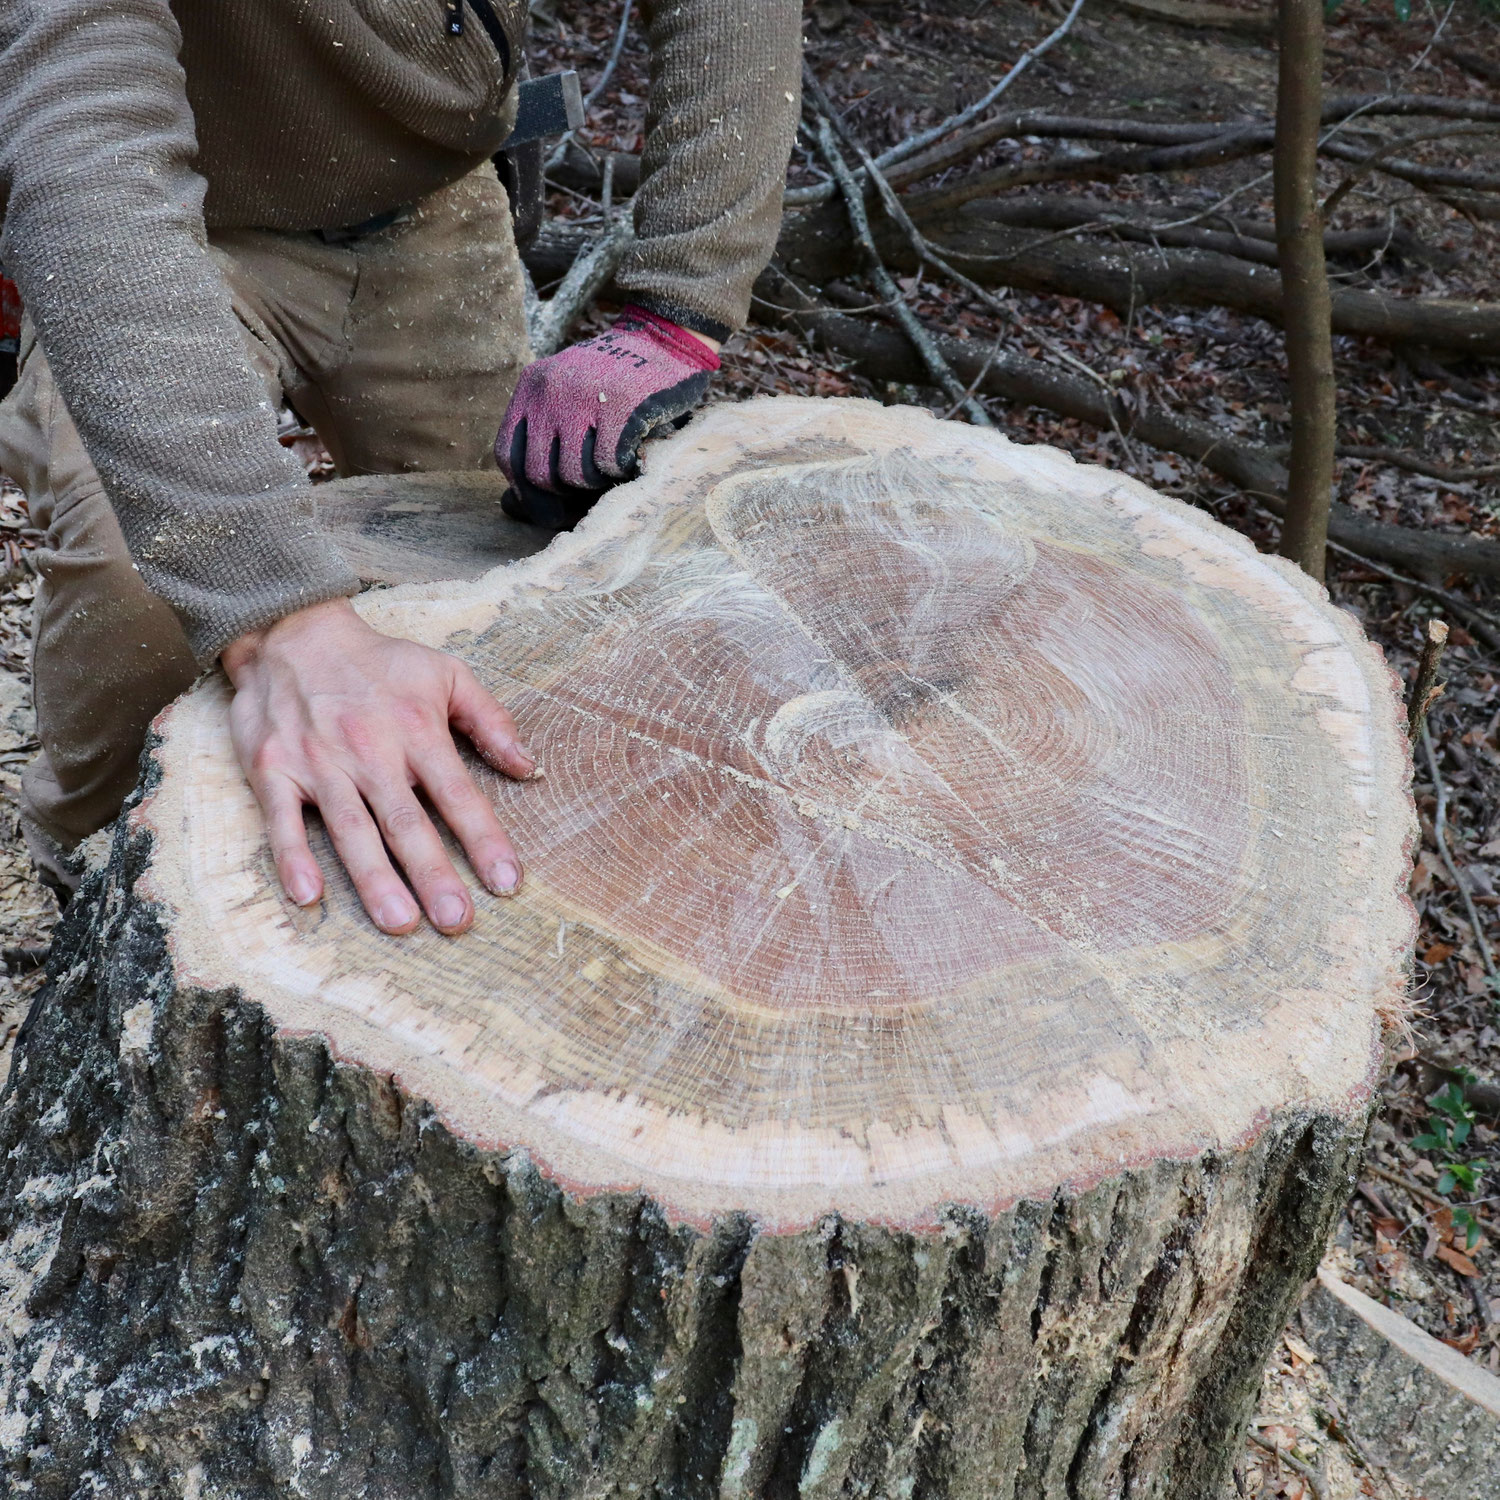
127 125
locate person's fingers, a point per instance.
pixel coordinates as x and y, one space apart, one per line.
358 844
541 447
419 851
593 478
281 803
521 454
467 811
574 461
505 441
488 724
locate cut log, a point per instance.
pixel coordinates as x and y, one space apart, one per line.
926 1056
1414 1405
424 528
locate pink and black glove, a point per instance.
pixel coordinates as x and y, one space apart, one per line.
575 423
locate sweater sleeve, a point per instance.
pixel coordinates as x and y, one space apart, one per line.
726 87
104 236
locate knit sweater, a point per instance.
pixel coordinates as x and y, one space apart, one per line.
129 126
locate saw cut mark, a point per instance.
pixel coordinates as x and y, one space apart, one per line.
921 816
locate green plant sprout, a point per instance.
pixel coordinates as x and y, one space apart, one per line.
1448 1128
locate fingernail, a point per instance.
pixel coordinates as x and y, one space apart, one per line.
395 914
504 878
449 911
302 890
525 754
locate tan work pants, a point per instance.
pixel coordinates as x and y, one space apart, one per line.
400 348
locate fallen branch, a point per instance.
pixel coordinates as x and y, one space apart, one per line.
1336 110
885 284
1440 838
1398 459
914 144
586 276
1486 626
1416 173
1204 17
1124 277
924 250
583 172
1314 1482
1098 166
560 149
1247 238
1397 1179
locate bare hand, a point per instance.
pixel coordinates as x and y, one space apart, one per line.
330 712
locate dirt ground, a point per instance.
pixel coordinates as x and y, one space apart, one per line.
1419 1235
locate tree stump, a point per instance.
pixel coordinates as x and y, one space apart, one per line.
926 1057
424 528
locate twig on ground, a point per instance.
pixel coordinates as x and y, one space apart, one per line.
1440 837
1481 1304
1314 1482
1410 171
923 248
1345 1435
1425 688
560 150
613 61
1400 1180
919 142
1486 626
885 283
1399 459
1379 160
915 143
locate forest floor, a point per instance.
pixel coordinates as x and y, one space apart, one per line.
1421 1233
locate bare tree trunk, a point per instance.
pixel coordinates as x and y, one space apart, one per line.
1307 309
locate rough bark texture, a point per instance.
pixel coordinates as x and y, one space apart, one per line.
923 1060
233 1267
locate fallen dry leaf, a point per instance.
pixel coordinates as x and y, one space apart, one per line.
1457 1260
1465 1345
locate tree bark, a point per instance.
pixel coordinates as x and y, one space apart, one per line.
926 1057
1306 308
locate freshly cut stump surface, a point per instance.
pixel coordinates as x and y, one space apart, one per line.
925 1058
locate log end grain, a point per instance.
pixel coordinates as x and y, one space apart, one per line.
926 819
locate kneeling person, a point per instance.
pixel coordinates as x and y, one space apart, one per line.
212 209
